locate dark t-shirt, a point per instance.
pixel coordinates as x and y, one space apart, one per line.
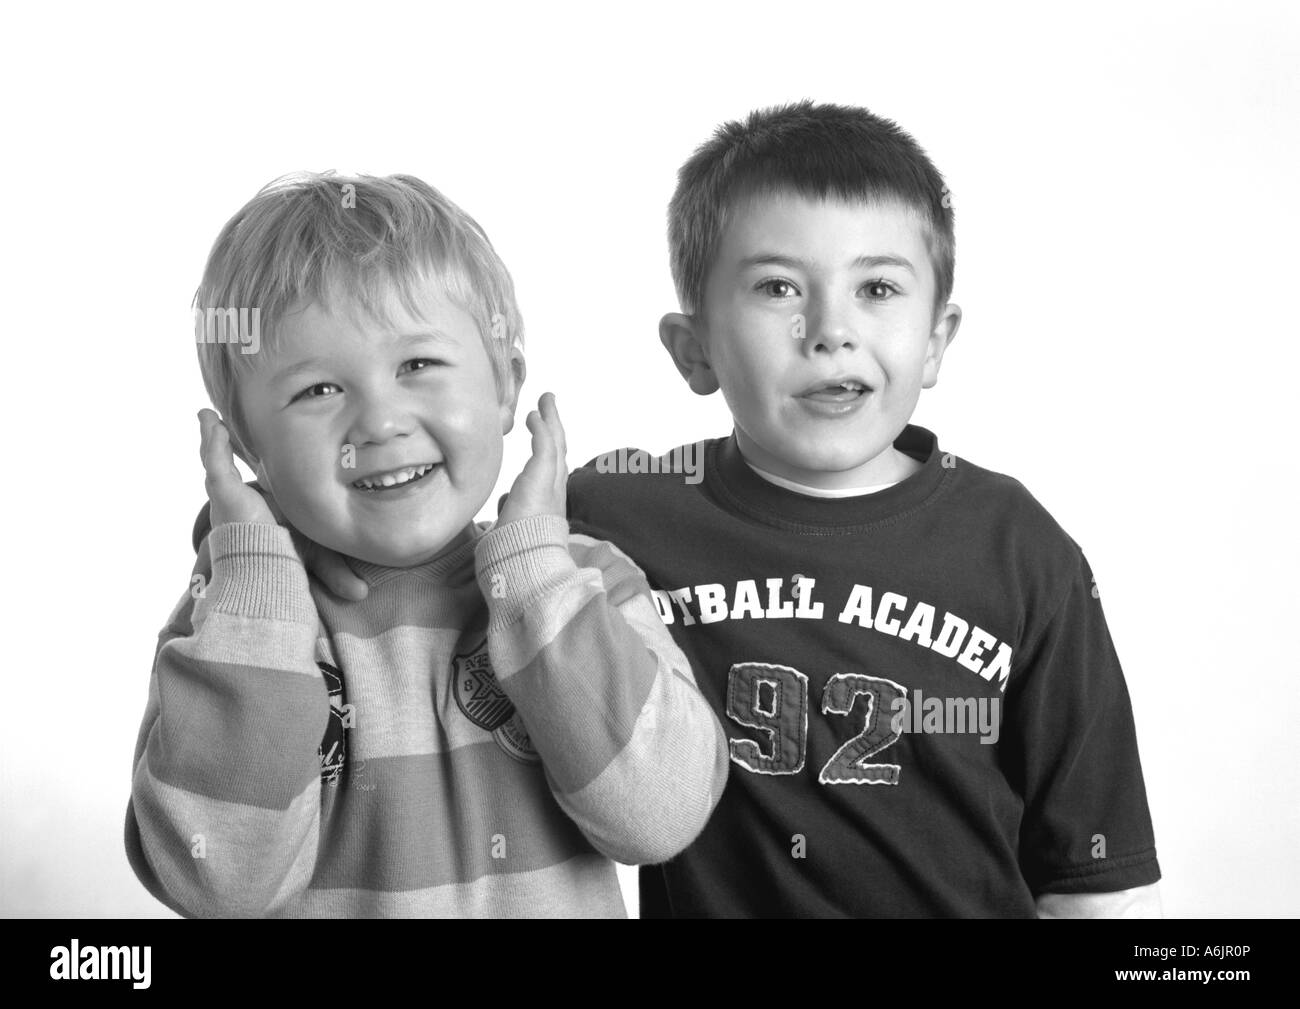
926 712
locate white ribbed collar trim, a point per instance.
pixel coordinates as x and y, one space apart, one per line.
800 488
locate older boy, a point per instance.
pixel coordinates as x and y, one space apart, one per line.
925 709
504 712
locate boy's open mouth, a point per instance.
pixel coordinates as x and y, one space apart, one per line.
841 391
394 478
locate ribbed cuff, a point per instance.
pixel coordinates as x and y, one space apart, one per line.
256 572
517 562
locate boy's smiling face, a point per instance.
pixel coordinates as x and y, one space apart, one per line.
413 406
804 294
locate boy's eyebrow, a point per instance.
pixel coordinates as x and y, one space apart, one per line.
288 374
862 262
421 335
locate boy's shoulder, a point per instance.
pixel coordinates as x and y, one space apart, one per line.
1003 501
1016 549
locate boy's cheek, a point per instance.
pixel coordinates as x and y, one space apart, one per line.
302 483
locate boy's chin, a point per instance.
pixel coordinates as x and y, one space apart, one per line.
408 554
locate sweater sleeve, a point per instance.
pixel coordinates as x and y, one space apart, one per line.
224 813
632 751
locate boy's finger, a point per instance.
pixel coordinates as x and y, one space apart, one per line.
554 446
541 445
333 571
217 460
205 436
541 460
559 449
550 420
557 431
549 411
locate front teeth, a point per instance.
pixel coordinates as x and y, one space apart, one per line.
393 479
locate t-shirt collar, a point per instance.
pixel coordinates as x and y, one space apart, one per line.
730 478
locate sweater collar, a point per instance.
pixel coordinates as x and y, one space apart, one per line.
741 488
442 568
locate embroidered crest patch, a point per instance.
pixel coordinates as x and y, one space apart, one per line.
481 700
478 695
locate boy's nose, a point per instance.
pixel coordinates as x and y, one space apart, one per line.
377 421
831 329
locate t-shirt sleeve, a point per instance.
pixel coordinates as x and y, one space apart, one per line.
1072 754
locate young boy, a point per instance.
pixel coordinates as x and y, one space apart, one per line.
504 712
925 709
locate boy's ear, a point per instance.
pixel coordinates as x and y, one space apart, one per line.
682 337
514 382
942 334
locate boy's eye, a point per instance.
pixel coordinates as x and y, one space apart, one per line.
419 364
778 288
317 391
879 290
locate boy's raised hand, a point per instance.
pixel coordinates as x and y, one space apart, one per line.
231 499
541 488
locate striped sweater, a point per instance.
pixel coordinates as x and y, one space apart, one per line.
479 737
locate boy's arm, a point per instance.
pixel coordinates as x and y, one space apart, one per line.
225 797
1086 841
1140 902
632 751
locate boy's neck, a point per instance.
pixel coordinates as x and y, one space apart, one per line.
447 559
889 467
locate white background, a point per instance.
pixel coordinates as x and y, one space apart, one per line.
1124 181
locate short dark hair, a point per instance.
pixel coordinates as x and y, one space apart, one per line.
816 150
